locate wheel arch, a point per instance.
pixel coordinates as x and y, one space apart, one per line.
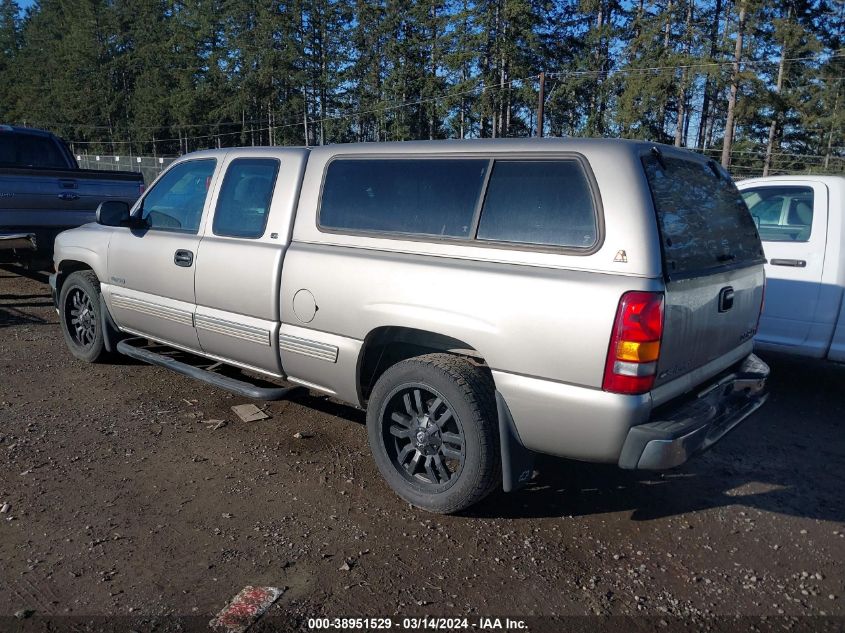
67 267
387 345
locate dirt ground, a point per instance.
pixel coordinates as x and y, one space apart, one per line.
123 501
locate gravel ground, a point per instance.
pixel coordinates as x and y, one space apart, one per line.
119 498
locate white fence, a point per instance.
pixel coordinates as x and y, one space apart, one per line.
149 166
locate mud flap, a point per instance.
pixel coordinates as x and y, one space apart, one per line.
517 461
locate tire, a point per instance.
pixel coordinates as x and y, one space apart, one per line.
80 299
438 462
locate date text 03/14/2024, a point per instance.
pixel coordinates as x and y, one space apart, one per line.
421 623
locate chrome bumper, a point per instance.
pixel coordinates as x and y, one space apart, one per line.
678 431
18 241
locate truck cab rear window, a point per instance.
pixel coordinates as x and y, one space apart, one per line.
539 202
703 221
782 214
245 196
29 150
432 197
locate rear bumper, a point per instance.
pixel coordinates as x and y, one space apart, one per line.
18 241
679 430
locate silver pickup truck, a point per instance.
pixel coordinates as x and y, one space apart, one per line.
484 300
43 192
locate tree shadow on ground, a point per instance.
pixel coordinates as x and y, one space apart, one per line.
11 315
14 270
14 307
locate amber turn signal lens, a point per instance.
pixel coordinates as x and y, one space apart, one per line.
638 352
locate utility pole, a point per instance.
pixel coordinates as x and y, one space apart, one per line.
832 127
540 104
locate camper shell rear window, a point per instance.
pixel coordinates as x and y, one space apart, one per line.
703 221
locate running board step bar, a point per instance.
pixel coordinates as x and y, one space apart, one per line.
129 347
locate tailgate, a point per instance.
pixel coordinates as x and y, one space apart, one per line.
706 318
712 261
60 198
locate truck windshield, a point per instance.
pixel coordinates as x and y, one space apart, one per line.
703 221
29 150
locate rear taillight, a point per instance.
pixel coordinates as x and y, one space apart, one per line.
634 344
762 305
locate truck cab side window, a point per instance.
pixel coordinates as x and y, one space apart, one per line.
176 201
245 198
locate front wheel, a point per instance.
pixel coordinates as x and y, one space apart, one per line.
433 431
80 318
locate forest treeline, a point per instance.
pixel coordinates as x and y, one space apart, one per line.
755 84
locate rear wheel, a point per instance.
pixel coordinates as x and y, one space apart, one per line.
433 432
79 314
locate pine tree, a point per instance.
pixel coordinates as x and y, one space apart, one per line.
366 69
10 43
649 82
145 65
325 54
460 58
730 123
65 60
711 86
171 76
509 53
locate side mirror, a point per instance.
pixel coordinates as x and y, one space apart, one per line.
756 221
113 213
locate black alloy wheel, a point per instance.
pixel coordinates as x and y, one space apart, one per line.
433 430
423 437
80 318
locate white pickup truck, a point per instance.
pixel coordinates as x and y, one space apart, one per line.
801 220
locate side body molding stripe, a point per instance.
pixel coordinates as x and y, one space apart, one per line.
307 347
236 330
153 309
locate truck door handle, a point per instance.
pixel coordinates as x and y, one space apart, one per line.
726 299
68 196
183 258
795 263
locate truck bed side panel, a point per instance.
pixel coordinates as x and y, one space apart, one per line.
837 346
548 323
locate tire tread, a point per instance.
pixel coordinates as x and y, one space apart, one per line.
90 277
476 386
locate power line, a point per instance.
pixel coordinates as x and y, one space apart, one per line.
399 105
760 152
751 62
